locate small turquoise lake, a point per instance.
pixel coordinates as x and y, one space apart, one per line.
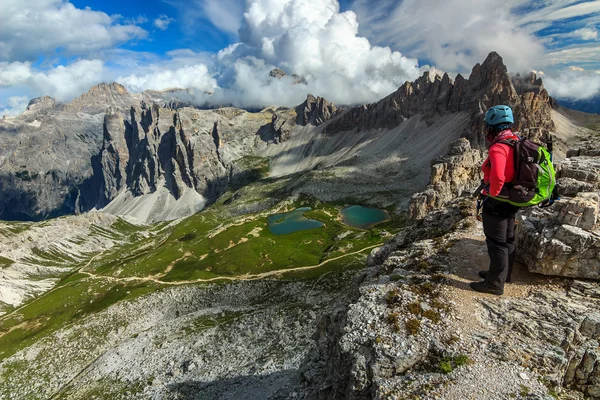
281 224
364 217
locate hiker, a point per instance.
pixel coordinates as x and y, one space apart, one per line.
498 217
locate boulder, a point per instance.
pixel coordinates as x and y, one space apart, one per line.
580 172
564 241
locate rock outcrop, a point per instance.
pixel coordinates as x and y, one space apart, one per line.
277 73
316 111
579 172
101 97
155 149
451 175
565 239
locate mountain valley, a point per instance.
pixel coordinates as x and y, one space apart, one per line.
137 260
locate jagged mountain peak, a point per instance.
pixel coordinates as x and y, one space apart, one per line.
528 82
488 84
41 103
100 97
316 111
108 87
492 76
277 73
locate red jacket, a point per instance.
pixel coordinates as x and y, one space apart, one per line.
499 167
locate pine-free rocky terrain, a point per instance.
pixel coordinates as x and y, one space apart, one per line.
136 260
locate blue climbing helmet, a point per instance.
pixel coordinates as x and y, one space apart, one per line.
499 115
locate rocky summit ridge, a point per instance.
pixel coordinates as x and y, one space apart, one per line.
488 84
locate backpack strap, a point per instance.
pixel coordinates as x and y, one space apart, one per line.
514 143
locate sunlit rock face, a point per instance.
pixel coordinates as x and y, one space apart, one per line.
563 241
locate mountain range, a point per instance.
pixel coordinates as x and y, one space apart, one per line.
138 260
156 158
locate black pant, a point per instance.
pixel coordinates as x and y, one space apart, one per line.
499 229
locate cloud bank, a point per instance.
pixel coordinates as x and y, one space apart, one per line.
62 83
574 84
15 105
196 77
39 27
309 38
331 54
453 34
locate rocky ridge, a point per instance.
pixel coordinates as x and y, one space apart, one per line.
416 330
488 84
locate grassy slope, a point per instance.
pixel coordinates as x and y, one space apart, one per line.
214 243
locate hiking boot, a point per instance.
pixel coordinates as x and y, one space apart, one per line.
483 275
484 287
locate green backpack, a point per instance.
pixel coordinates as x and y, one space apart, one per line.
535 179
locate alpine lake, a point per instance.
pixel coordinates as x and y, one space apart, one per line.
355 216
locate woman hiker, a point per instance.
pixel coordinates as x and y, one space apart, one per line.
498 217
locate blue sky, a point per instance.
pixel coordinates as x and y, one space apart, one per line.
351 51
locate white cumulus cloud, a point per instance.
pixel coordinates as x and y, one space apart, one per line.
573 83
313 39
37 27
193 76
61 82
163 22
15 105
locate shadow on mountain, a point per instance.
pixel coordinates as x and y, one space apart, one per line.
22 203
277 385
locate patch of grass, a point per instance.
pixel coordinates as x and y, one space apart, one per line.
394 320
5 262
523 390
425 289
415 308
413 326
58 308
188 271
393 297
461 360
445 367
433 316
72 278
